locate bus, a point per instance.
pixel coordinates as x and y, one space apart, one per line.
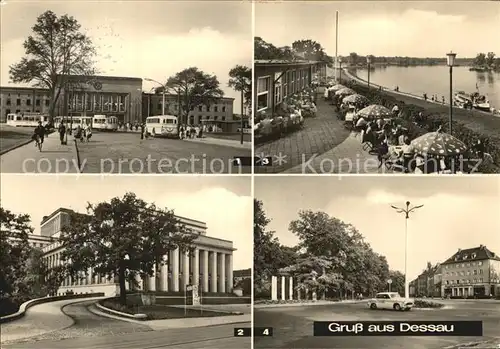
162 126
75 121
26 119
105 123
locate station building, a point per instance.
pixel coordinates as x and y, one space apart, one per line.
473 272
210 266
275 80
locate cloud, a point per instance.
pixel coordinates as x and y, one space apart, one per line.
384 197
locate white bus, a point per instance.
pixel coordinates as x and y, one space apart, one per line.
162 126
105 123
26 119
75 121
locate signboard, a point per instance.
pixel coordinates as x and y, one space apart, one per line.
389 281
192 295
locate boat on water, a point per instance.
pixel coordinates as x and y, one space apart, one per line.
474 100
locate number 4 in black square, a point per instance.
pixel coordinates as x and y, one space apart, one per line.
263 331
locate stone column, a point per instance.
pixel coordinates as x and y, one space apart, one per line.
290 287
213 271
283 288
175 270
164 278
152 281
274 288
222 274
138 280
205 271
185 270
229 272
307 294
196 266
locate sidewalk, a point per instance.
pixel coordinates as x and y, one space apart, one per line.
221 142
305 304
223 308
197 322
39 319
54 157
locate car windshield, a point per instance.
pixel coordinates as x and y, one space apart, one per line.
394 295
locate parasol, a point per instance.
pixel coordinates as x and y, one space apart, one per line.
375 111
345 91
356 99
438 143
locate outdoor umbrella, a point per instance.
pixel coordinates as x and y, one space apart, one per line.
375 111
439 144
345 91
336 87
356 99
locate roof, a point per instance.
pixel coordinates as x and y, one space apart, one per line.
170 95
277 62
242 273
18 88
104 77
472 254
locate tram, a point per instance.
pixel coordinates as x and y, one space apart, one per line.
26 119
162 126
105 123
74 121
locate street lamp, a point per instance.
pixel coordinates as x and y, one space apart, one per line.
369 62
340 70
406 212
451 62
164 88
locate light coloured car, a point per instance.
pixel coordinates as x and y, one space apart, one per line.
390 300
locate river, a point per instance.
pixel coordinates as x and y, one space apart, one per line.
435 80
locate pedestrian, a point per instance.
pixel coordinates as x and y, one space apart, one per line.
200 134
88 133
142 131
181 132
62 133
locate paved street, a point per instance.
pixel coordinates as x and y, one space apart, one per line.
324 145
124 153
92 331
293 325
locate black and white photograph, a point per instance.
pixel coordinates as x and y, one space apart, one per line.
125 261
377 87
376 248
125 87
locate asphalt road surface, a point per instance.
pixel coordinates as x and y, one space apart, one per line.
115 153
293 326
91 331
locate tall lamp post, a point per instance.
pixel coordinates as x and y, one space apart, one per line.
406 211
369 62
340 70
164 89
451 62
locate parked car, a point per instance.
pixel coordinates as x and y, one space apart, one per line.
390 300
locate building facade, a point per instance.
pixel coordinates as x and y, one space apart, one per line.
473 272
277 80
80 96
219 114
210 266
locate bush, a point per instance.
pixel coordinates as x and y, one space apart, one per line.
420 303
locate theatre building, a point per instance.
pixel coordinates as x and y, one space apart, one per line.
275 80
80 96
210 266
474 272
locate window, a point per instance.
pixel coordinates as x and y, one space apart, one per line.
473 256
475 272
208 108
480 271
18 101
28 102
37 111
8 101
159 105
215 108
278 98
458 281
37 102
47 102
480 263
223 118
18 111
223 109
200 108
263 85
215 117
121 104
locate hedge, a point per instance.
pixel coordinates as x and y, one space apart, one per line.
431 121
420 303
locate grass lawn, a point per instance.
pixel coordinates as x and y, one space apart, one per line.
13 136
159 311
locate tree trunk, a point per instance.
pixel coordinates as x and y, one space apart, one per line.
123 290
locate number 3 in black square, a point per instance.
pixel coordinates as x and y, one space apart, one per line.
263 331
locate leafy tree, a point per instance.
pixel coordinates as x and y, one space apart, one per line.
121 238
240 79
311 50
353 58
398 282
194 88
56 49
14 232
490 59
480 59
265 50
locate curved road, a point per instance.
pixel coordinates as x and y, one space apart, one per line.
87 330
293 326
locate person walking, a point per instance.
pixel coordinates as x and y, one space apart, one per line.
142 131
62 133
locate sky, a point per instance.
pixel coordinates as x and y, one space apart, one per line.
224 203
145 39
385 28
458 212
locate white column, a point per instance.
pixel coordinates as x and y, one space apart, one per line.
185 270
205 271
152 280
283 288
222 276
175 270
213 271
229 272
290 287
274 288
307 294
138 280
196 267
164 278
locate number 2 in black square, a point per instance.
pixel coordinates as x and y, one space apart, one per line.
242 332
